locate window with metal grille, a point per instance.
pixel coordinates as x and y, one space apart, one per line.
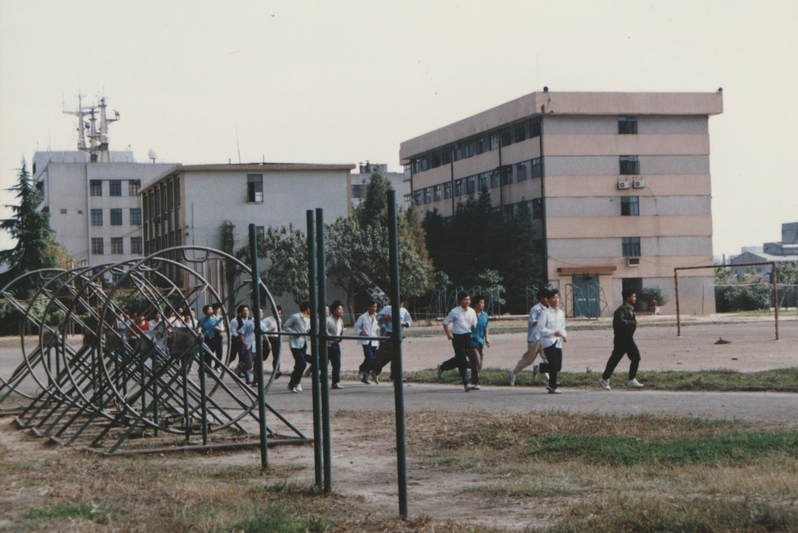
424 163
117 245
96 217
537 168
447 190
408 172
135 216
630 246
96 187
133 187
627 125
437 193
115 187
418 196
116 217
468 149
630 206
494 141
408 201
427 195
255 188
629 164
471 183
97 245
458 187
135 245
521 173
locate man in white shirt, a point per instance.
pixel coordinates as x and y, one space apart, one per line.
463 319
533 345
335 328
246 337
299 325
272 343
552 336
367 326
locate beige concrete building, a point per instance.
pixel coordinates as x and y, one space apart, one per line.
618 185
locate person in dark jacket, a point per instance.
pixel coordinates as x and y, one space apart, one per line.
624 324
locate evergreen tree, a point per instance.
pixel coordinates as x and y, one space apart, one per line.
373 209
523 266
36 247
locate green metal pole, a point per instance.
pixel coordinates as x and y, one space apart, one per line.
323 366
203 392
314 347
253 247
398 386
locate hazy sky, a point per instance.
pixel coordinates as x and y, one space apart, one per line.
342 82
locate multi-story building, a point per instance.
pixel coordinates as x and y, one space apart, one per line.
618 185
95 207
399 181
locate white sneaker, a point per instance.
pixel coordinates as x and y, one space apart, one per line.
337 386
294 390
307 372
634 384
535 372
469 387
605 384
440 372
298 387
511 378
555 391
475 387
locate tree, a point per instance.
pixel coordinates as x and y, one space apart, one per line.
285 254
522 264
36 247
373 210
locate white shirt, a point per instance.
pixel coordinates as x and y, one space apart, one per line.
463 320
367 324
549 322
268 324
532 332
335 327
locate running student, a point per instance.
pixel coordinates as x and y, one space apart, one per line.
552 336
335 328
479 338
299 325
533 345
463 320
367 326
624 324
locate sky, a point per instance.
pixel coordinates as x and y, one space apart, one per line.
348 81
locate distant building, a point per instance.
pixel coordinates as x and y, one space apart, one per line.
399 181
618 185
785 251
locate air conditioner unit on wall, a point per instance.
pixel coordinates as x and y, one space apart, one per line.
633 261
638 183
623 184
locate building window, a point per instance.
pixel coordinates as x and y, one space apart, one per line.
458 187
135 216
170 196
481 146
177 192
96 187
408 172
427 195
471 183
630 246
507 137
521 173
357 191
437 193
494 179
133 187
506 174
629 164
115 187
424 163
96 217
418 196
627 125
534 128
255 188
116 217
63 211
116 277
537 168
117 245
468 149
458 152
484 183
537 208
135 245
630 206
520 133
508 213
447 190
97 245
446 156
435 160
494 140
408 201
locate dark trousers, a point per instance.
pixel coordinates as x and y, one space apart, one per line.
554 364
300 363
475 362
334 355
621 347
368 356
217 348
276 345
210 344
245 358
460 342
384 355
235 348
